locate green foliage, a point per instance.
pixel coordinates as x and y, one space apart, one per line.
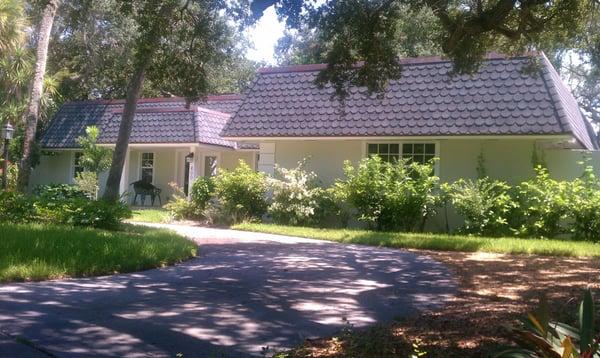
390 196
486 205
95 158
201 192
180 207
295 195
240 194
584 206
61 204
15 207
543 206
88 183
539 336
58 192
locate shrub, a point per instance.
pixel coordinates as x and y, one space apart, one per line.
58 192
240 194
485 205
87 182
330 210
201 192
81 212
295 195
390 196
16 208
584 206
543 206
180 207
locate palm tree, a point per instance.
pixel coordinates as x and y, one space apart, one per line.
12 23
36 92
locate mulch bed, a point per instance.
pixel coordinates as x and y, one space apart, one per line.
494 290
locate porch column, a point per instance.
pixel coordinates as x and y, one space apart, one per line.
266 160
194 167
124 185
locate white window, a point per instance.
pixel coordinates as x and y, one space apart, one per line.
418 152
77 165
390 152
147 168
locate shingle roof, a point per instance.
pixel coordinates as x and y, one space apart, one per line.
158 120
501 99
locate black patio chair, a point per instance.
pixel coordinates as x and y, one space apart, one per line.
143 188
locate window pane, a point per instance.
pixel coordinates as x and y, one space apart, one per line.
428 158
394 158
372 149
384 148
407 148
394 148
430 148
419 148
419 159
147 160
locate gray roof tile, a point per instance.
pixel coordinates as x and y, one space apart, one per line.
158 120
501 99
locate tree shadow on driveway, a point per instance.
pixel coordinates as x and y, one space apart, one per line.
230 301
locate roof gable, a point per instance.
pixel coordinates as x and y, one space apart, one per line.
501 99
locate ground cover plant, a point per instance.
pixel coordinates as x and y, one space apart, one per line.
44 251
429 241
157 216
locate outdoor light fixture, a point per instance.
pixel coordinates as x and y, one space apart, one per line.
189 158
7 135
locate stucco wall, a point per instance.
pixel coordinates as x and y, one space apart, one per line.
53 169
230 160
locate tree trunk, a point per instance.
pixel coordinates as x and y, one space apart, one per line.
111 192
37 87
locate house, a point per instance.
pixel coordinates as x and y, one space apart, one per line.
504 114
169 142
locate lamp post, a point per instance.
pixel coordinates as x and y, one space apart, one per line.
7 135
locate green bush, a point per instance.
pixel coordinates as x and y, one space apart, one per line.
295 195
240 194
201 192
58 192
180 207
543 206
486 205
390 196
81 212
16 208
330 210
584 206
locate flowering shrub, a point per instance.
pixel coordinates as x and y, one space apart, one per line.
296 195
390 196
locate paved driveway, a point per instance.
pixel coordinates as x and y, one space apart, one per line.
245 291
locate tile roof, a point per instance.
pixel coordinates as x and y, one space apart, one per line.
158 120
501 99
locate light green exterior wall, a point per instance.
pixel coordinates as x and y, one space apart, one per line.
53 169
230 160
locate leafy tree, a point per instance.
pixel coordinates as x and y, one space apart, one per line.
175 43
366 30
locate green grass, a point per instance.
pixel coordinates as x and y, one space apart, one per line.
425 241
38 252
151 216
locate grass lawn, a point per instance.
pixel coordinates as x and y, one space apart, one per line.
158 216
423 241
38 252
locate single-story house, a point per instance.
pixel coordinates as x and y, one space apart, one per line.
505 112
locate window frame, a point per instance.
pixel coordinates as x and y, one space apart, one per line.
436 143
75 165
142 167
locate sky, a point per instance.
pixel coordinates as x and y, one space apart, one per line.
265 34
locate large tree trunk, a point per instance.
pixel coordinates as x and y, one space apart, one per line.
111 192
37 87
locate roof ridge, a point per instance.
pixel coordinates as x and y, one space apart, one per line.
403 61
156 110
210 97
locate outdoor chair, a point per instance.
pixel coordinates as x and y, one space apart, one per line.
143 188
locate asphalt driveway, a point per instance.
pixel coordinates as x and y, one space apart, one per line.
244 292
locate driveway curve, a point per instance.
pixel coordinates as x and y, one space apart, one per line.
244 291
